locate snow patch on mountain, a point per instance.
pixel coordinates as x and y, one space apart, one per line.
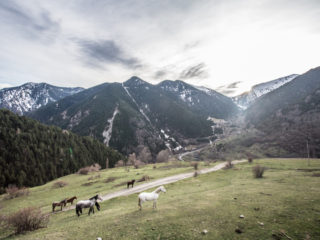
31 96
246 99
140 109
108 130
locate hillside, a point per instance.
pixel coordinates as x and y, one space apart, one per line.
137 116
31 96
211 201
289 116
248 98
32 153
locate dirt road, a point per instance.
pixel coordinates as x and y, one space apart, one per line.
159 182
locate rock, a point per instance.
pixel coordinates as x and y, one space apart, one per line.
238 230
204 231
256 209
261 223
98 238
235 198
153 228
241 216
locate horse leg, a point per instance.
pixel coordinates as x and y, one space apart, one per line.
154 204
140 204
53 207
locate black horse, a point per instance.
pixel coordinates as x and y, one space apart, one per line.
130 183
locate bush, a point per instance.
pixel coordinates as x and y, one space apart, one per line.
59 184
28 219
120 163
144 178
250 160
258 171
228 165
110 179
93 168
13 192
195 165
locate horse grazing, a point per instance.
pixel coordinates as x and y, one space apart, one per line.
153 196
130 183
62 203
70 200
88 204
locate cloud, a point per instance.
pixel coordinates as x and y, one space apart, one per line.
28 23
197 71
160 74
5 85
106 51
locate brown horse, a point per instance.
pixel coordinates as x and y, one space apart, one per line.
62 203
70 200
130 183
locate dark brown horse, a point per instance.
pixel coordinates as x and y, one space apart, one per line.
70 200
130 183
62 203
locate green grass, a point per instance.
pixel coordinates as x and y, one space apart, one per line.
288 201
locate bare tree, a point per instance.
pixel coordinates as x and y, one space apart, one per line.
163 155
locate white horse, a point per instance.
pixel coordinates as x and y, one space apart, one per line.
88 204
153 196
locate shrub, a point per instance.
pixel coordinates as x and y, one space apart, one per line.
138 163
59 184
13 192
228 165
250 160
163 156
258 171
195 165
84 171
28 219
93 168
144 178
120 163
94 177
110 179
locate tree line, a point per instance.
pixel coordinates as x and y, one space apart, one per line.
32 153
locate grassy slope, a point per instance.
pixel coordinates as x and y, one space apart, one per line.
288 200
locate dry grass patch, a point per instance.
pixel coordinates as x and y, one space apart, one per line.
13 192
59 184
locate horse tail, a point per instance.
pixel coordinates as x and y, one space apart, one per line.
139 202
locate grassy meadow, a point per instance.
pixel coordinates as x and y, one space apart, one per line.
284 204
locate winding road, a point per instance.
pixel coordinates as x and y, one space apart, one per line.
159 182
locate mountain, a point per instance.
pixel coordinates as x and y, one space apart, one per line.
201 100
290 114
136 116
246 99
32 153
31 96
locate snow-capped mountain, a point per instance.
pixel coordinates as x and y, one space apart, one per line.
136 113
31 96
201 100
246 99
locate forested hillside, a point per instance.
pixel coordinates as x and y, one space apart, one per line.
32 153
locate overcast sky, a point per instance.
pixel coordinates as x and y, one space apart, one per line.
214 43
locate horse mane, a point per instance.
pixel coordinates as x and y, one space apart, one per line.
95 197
158 189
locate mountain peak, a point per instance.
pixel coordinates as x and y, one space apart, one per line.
136 81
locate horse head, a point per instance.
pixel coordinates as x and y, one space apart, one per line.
162 189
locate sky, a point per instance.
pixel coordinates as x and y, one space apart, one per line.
228 45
